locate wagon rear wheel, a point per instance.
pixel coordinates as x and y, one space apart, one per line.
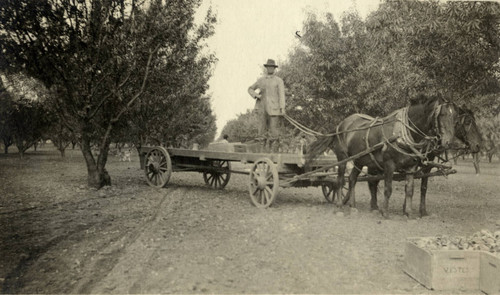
219 177
330 191
264 183
157 167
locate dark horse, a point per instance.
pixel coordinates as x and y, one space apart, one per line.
467 131
406 137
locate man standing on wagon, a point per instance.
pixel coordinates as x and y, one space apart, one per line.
270 103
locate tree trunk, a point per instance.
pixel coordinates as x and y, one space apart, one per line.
5 149
20 148
475 161
97 176
61 147
141 156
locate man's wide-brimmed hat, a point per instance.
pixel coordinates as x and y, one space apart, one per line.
270 63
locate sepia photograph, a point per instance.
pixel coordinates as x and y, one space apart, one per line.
249 147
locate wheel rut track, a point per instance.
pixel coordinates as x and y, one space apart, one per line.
99 270
18 279
14 280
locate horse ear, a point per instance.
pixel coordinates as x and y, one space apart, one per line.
432 101
465 108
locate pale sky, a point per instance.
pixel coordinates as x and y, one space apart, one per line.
247 33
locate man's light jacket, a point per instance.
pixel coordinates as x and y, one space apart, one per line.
272 90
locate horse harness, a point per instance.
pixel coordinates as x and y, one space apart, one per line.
405 139
403 128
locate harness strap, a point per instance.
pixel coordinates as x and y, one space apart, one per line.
368 144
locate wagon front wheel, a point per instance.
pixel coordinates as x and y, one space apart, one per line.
264 183
219 176
157 167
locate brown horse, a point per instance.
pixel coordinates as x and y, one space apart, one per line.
406 136
467 131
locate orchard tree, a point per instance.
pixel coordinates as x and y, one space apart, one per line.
402 50
27 123
245 129
60 136
26 117
320 75
97 56
6 109
451 48
490 130
242 129
177 104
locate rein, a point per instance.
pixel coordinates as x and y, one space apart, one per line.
428 143
309 131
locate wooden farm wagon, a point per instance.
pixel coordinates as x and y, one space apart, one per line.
268 173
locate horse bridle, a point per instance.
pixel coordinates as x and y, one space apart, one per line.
437 112
462 118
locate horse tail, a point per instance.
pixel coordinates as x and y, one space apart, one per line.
318 147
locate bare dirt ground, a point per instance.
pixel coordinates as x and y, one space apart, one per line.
58 236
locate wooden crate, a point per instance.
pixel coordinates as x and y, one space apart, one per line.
489 279
442 269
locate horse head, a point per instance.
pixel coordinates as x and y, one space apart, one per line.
467 131
446 117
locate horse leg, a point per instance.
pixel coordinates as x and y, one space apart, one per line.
408 203
389 168
423 192
353 178
373 186
340 184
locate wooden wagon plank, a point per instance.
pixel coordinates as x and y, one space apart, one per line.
279 158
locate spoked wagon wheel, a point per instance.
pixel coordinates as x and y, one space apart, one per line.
264 183
158 167
330 191
219 177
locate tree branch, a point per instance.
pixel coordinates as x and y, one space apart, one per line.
134 98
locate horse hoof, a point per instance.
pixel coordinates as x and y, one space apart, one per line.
353 211
384 214
410 216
